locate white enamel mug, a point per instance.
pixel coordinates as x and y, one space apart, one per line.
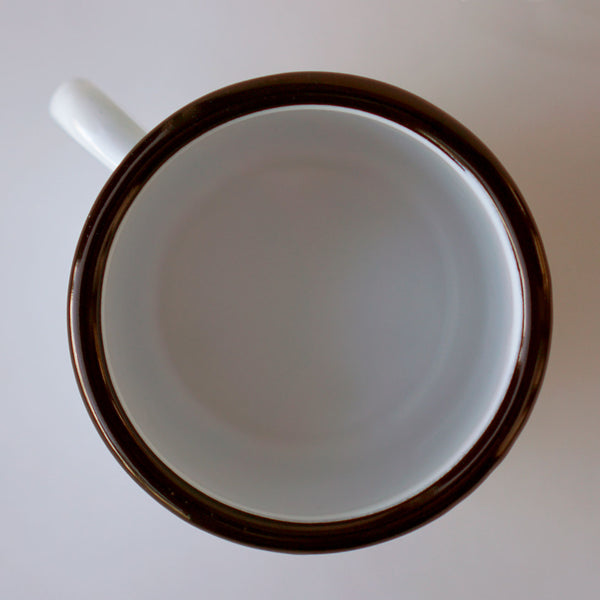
307 312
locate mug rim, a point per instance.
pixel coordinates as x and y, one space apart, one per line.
222 106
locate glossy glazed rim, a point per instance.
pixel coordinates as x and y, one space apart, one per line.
120 191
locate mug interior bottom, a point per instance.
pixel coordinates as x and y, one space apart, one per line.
311 313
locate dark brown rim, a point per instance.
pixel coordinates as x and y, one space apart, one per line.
120 191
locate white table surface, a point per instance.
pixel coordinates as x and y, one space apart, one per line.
523 75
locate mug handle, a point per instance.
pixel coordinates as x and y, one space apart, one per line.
95 121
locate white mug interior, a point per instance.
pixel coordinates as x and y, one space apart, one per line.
311 313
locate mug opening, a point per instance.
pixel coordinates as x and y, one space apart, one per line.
311 313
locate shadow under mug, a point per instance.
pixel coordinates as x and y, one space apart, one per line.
307 312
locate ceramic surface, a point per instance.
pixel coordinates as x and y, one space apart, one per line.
430 442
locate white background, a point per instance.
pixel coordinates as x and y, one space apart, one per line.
523 75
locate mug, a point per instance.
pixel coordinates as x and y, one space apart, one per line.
307 312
